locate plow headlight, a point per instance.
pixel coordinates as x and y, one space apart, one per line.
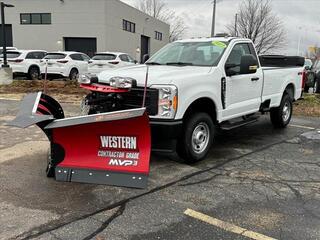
88 78
122 82
168 101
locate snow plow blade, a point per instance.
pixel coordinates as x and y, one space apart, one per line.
108 148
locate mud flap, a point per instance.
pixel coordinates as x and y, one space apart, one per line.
108 148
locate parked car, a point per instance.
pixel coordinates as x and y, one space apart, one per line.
108 60
313 77
64 64
8 49
308 75
25 63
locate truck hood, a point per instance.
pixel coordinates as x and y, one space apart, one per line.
158 74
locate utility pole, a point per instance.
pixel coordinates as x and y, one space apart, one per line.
236 25
213 18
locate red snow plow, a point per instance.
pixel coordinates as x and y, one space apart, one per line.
104 148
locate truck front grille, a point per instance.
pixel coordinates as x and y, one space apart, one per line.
134 99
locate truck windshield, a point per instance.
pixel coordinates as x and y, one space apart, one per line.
189 53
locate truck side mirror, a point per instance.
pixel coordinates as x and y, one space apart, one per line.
248 64
145 58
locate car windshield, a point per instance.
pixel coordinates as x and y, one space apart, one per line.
55 56
190 53
11 55
104 56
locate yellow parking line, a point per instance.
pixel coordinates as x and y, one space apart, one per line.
301 126
226 226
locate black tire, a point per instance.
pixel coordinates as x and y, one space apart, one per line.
199 126
34 73
281 116
306 89
73 74
316 87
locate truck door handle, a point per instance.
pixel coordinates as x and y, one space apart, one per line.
255 79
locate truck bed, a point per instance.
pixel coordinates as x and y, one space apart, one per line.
275 81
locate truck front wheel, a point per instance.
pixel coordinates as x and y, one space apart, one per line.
197 138
281 116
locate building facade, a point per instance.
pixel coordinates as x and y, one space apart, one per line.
83 25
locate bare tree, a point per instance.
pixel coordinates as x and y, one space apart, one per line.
257 22
159 10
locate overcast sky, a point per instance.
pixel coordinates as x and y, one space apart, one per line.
301 19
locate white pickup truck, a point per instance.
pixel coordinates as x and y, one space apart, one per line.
198 86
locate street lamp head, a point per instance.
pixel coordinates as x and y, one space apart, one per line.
8 5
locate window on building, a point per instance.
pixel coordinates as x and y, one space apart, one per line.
35 18
128 26
46 18
158 36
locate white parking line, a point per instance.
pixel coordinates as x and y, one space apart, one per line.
301 126
226 226
10 99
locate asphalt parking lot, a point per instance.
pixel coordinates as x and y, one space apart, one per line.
257 183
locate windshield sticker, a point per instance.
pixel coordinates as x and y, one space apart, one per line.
219 44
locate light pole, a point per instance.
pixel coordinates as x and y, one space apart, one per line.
213 18
4 38
236 25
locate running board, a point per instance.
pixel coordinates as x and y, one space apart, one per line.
227 125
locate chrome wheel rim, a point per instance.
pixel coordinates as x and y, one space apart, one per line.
200 137
286 111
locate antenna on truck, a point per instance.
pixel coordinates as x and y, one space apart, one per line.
145 87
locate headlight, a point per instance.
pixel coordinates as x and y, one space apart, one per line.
168 101
121 82
87 78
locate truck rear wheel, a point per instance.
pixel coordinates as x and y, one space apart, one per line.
281 116
197 138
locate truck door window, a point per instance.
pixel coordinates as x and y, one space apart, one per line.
235 56
253 51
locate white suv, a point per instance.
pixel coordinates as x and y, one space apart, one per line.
25 63
108 60
64 64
